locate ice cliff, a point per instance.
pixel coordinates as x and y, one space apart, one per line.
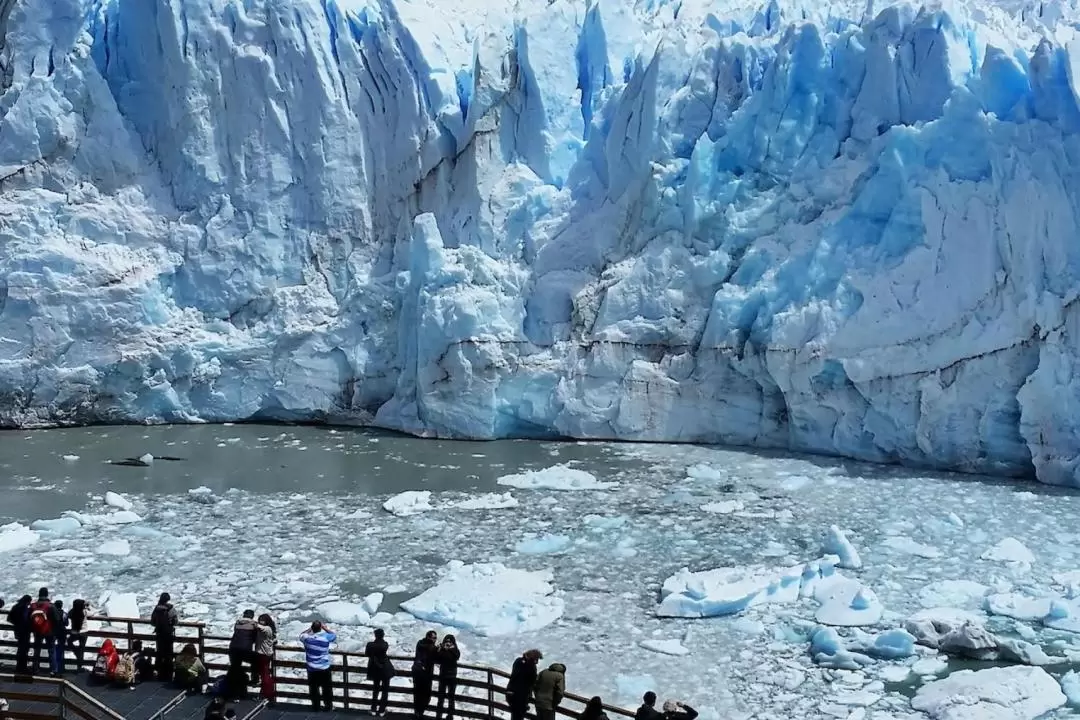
829 227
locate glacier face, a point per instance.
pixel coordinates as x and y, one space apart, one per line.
833 228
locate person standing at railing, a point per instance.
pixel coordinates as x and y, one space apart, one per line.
19 619
242 645
423 672
77 626
164 619
44 622
594 710
316 642
448 656
549 692
60 645
379 671
648 710
265 641
519 688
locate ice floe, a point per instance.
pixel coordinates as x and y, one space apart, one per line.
665 647
118 501
15 536
1009 693
542 544
487 501
57 526
339 612
410 502
557 477
911 547
836 543
489 599
118 548
1010 550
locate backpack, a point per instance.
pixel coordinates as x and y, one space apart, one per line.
124 674
40 620
106 662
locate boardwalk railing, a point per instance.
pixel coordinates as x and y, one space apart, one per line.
480 693
52 698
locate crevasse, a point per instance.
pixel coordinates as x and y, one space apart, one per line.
838 228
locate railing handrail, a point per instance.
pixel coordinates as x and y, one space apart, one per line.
67 687
203 638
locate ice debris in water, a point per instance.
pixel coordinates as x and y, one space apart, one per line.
372 602
1070 685
557 477
1003 693
410 502
487 501
15 536
723 507
57 526
489 599
119 548
119 604
1010 550
117 501
911 547
71 458
147 458
339 612
542 544
836 543
665 647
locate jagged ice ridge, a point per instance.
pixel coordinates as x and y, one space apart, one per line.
838 228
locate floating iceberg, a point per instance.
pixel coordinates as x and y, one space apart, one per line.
1011 693
558 477
410 502
489 599
786 225
14 536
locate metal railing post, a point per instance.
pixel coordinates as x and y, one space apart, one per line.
345 677
202 642
491 693
62 697
130 634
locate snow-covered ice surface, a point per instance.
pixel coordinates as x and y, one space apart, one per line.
324 552
839 226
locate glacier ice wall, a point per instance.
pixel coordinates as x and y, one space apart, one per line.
825 227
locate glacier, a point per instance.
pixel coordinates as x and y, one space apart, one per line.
826 227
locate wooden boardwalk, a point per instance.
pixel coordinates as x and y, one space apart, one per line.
480 693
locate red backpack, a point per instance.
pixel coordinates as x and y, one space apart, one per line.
41 618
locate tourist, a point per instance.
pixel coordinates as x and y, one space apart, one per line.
316 642
594 710
189 674
674 710
164 620
242 645
519 687
648 710
447 655
265 641
61 636
77 630
19 619
379 671
423 672
549 692
43 624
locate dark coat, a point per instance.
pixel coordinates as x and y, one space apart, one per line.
551 686
648 712
164 619
19 618
245 633
448 662
426 656
379 666
522 679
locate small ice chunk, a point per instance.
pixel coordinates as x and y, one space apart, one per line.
1070 684
122 517
410 502
372 602
604 522
836 543
888 645
147 459
489 599
543 544
118 501
1010 550
930 666
1001 693
57 526
912 547
488 501
955 519
117 548
1017 606
828 650
340 612
557 477
14 536
848 604
396 588
931 625
724 507
895 673
71 458
665 647
202 495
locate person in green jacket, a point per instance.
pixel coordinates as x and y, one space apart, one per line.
549 690
188 671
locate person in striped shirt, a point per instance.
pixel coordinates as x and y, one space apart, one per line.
316 642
